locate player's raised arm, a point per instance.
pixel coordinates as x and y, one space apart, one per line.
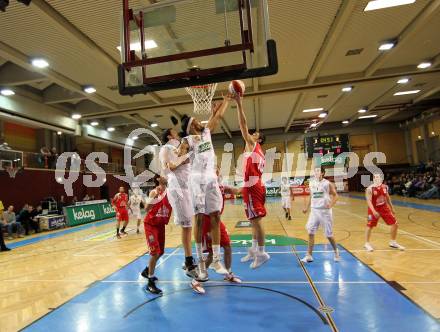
218 111
243 122
183 157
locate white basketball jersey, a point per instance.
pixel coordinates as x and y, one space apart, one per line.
135 201
203 157
320 193
285 190
167 154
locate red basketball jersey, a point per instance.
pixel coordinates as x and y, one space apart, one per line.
254 163
160 212
378 195
120 201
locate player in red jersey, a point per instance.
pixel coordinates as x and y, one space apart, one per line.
380 206
119 203
225 241
254 192
158 215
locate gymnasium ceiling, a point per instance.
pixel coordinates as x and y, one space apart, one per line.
79 40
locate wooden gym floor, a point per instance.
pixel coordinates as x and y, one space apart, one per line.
45 271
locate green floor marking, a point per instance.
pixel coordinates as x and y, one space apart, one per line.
245 240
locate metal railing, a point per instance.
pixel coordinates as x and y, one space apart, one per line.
18 159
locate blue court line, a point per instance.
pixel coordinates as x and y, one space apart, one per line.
48 236
426 207
276 297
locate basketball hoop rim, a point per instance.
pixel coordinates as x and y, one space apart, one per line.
205 86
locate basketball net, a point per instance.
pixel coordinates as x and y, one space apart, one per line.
12 171
202 97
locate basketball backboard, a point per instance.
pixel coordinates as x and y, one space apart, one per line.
178 43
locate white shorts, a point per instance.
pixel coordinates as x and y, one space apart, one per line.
286 202
136 212
319 217
180 201
206 195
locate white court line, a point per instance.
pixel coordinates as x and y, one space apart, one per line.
223 282
245 282
269 252
417 237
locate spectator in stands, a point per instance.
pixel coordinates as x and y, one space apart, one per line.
43 159
74 200
2 225
92 197
53 158
25 219
11 222
86 198
35 222
61 203
430 166
433 191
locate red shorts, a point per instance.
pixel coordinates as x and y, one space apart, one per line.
384 213
254 199
155 235
225 241
122 215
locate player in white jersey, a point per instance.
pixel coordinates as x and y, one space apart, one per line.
134 204
323 197
286 197
176 168
206 194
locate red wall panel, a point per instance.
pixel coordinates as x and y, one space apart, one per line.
31 186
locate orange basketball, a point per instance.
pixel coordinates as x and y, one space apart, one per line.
237 87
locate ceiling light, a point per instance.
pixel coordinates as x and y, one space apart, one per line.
362 110
322 115
154 125
76 116
386 46
94 123
410 92
39 63
319 109
135 138
149 44
403 81
368 116
7 92
419 137
345 122
347 89
110 129
89 89
424 65
381 4
433 133
59 133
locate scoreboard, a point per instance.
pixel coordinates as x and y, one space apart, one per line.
323 145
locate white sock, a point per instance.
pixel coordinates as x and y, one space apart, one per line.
254 244
260 249
216 252
199 251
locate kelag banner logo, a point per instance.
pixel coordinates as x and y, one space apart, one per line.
78 215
